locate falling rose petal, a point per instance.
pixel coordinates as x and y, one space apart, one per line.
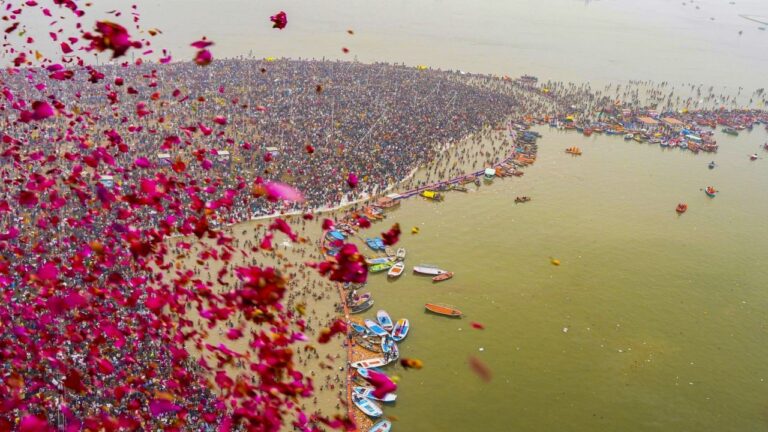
477 325
352 180
328 224
310 149
338 326
203 57
410 363
113 37
307 216
161 406
363 222
279 20
33 423
381 383
480 369
42 110
392 236
142 162
345 50
281 191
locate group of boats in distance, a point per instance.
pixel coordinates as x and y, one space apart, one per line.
709 190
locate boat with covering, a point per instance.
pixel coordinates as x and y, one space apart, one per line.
384 320
396 270
376 328
401 330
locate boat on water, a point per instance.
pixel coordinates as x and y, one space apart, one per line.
432 195
442 277
338 235
361 307
765 146
368 392
730 131
522 199
367 406
629 137
384 320
381 426
379 260
376 328
428 269
365 373
378 268
712 165
358 300
445 310
710 191
573 151
400 254
368 343
396 270
489 174
358 328
369 363
389 251
681 208
401 330
375 243
387 345
458 188
753 157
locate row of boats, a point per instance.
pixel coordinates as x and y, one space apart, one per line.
380 336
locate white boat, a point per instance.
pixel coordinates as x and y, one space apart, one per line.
396 270
400 254
401 330
428 269
389 251
367 406
369 363
382 426
368 392
376 328
385 321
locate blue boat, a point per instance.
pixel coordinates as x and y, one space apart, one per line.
368 392
384 320
387 344
375 243
382 426
401 330
358 328
365 372
338 235
375 328
367 406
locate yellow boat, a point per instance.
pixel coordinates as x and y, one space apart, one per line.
574 151
435 196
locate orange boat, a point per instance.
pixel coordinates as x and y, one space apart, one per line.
443 310
442 277
681 208
574 151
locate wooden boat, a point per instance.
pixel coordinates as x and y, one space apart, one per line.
362 307
574 151
359 300
433 195
396 270
359 329
367 406
389 251
753 157
375 243
338 235
384 320
380 260
401 330
443 310
378 268
730 131
442 277
367 343
428 269
368 392
629 137
522 199
365 373
712 165
681 208
376 328
400 254
382 426
369 363
710 191
459 188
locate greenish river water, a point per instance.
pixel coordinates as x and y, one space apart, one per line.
665 314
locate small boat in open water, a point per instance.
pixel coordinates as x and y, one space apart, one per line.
400 254
443 310
442 277
367 406
401 330
731 131
753 157
712 165
382 426
428 269
574 151
396 270
522 199
681 208
710 191
384 320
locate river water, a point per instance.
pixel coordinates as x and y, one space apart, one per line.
665 314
